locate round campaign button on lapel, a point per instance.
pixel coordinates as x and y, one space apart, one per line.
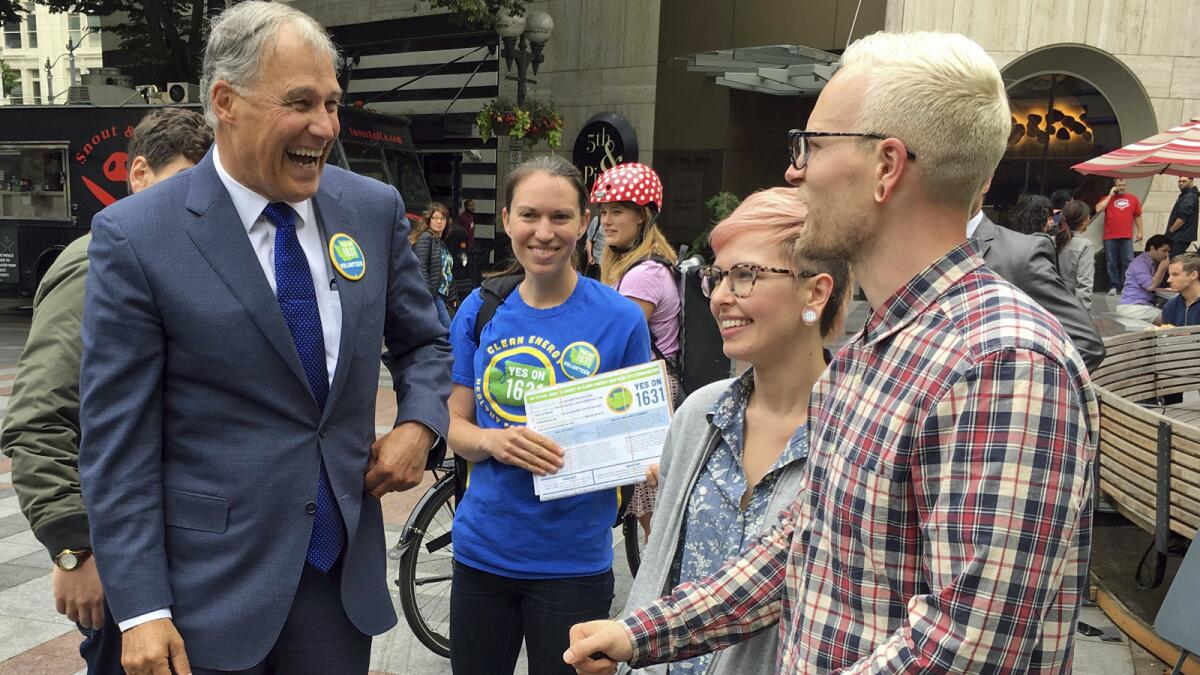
347 257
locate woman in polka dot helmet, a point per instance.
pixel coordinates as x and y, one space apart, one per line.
639 263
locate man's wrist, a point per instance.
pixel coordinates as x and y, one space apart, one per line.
71 559
67 532
164 613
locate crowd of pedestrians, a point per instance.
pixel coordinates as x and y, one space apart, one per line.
208 478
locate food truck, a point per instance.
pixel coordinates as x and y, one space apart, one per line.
62 164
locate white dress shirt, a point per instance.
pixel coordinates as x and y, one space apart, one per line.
250 205
973 224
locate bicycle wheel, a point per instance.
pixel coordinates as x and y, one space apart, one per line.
426 568
633 542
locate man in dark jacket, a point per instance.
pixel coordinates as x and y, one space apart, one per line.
1028 261
1181 225
41 429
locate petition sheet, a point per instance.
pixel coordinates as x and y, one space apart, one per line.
610 426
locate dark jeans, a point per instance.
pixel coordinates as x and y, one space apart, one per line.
101 647
1179 247
490 615
442 312
1118 253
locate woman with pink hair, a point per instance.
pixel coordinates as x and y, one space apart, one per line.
736 450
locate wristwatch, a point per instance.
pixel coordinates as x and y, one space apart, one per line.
69 559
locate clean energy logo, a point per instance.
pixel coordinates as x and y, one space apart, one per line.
580 359
619 399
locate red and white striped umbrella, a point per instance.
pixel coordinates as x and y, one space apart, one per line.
1175 151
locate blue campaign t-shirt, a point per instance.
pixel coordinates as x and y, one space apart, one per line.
501 527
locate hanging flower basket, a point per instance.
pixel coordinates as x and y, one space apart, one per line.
500 116
545 124
534 122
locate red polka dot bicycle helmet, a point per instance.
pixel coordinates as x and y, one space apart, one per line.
629 182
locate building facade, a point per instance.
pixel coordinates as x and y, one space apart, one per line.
1138 60
1084 77
41 38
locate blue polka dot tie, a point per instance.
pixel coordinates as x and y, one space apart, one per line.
298 302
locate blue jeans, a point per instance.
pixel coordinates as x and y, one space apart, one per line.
491 615
443 313
1118 253
101 648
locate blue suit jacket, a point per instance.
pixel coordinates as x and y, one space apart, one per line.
201 443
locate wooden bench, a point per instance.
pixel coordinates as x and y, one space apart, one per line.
1149 466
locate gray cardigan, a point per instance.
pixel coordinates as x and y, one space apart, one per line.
689 443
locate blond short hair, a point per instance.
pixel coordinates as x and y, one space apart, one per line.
1190 262
942 95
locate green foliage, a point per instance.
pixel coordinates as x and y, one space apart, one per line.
165 33
480 13
9 77
719 207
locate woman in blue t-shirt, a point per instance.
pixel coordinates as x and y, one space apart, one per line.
526 570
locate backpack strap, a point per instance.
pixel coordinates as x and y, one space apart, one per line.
673 368
494 291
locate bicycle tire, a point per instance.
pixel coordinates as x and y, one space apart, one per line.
433 632
633 543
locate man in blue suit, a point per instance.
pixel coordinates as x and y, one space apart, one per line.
232 330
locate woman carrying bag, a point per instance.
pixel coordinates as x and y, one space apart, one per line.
638 262
428 239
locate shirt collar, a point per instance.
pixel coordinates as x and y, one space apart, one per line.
249 204
728 415
919 293
733 401
973 224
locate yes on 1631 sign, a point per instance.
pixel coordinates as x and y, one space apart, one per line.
611 427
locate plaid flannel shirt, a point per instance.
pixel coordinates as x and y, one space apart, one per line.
947 524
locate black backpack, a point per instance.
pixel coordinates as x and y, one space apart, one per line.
702 357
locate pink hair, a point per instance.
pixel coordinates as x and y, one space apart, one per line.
778 212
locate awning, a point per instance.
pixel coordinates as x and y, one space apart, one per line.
780 70
1175 151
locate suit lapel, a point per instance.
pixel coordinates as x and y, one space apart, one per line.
219 235
985 233
335 216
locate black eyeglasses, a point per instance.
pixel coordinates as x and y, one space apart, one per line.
799 147
741 278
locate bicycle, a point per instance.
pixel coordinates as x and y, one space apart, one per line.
426 554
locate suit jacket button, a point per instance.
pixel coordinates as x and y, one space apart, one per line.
323 433
310 508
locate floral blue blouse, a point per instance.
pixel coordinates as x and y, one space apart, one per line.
716 528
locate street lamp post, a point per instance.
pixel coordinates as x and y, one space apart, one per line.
524 39
73 76
71 53
50 77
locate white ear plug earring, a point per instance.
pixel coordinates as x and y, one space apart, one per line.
810 317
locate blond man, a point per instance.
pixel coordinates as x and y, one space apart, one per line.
945 522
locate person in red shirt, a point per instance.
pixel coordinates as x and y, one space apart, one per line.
466 220
1122 226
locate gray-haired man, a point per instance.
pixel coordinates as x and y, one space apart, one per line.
229 463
